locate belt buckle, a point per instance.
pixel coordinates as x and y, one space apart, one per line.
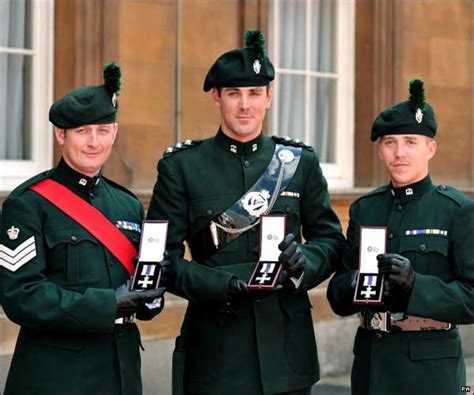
379 321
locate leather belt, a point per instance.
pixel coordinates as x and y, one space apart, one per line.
125 320
396 322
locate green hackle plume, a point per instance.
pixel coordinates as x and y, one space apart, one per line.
255 40
112 75
417 95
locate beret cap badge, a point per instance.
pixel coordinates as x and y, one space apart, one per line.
89 105
242 67
412 116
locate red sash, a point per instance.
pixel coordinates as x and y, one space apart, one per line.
90 219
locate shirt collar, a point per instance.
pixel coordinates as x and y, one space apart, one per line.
411 191
236 147
74 180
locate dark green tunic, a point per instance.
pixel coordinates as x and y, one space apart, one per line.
63 295
415 362
266 343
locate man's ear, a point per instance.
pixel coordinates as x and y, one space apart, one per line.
216 97
60 135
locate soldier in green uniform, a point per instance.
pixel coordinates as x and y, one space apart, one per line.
58 281
232 341
410 344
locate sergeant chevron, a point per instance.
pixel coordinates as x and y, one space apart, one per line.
14 259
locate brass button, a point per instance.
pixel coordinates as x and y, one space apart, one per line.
287 209
390 236
247 163
209 213
422 247
399 207
73 238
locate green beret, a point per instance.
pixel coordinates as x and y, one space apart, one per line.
89 105
248 66
413 116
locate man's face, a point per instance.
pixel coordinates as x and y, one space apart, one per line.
406 157
243 110
87 147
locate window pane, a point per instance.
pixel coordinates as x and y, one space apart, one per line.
292 34
15 80
323 35
322 118
291 106
12 23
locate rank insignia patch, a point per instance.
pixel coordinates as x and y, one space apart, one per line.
14 259
13 233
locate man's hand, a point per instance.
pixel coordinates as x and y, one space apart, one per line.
167 272
236 288
128 302
291 256
398 269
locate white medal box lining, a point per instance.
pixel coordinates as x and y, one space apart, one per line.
272 234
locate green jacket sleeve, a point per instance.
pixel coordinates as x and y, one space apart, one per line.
450 301
320 228
195 281
28 297
340 292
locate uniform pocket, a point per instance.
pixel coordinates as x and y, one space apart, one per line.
446 345
428 254
74 255
290 206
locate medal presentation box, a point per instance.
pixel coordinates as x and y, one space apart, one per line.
268 269
369 285
151 252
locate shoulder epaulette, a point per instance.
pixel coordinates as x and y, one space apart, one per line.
181 147
376 191
294 143
32 181
121 187
453 194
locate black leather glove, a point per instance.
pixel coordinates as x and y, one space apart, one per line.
128 301
398 269
291 256
167 272
236 288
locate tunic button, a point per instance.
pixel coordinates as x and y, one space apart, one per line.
91 195
73 238
443 187
390 236
422 247
209 213
399 207
247 163
287 209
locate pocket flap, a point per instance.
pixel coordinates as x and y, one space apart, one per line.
434 348
424 244
70 236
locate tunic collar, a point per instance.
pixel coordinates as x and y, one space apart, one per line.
236 147
408 192
76 181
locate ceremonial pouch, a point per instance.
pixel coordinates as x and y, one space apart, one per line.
267 270
151 251
369 285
